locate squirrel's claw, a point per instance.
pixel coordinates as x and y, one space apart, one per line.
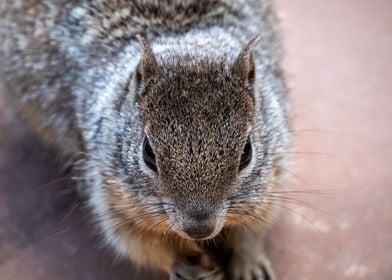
256 269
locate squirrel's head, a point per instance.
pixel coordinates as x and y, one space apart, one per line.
200 149
197 119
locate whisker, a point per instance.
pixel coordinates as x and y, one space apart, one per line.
74 206
295 176
297 115
51 183
118 226
305 153
323 131
96 218
303 204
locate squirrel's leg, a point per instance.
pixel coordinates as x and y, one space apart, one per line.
198 267
248 260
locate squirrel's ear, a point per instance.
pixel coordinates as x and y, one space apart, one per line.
244 67
148 66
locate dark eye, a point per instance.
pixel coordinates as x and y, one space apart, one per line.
148 155
246 156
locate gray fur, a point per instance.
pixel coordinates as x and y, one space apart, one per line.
70 68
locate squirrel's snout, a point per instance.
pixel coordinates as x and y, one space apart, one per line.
199 230
200 224
199 215
197 221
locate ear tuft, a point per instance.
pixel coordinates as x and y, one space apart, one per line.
148 66
244 67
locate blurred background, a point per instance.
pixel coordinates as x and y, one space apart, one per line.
337 221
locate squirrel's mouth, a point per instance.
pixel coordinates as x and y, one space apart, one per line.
202 233
195 221
198 232
196 228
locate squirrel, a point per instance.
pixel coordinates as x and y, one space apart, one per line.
175 113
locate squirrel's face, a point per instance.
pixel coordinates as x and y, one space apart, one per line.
197 142
198 119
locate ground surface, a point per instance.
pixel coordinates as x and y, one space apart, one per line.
339 68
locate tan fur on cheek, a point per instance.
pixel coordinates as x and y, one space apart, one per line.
136 212
145 231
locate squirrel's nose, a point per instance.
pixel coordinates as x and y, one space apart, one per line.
199 224
198 215
199 230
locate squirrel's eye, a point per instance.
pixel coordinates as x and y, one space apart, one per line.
148 155
246 156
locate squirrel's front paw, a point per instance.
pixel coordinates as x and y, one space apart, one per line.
186 270
251 269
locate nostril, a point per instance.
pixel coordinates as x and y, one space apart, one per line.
199 231
199 215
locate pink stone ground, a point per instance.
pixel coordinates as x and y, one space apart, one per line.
338 60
